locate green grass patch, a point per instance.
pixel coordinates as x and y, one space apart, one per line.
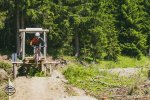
69 58
4 65
122 62
125 62
3 95
96 82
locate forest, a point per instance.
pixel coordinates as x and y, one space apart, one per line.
97 29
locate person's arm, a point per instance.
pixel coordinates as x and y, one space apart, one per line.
42 41
31 42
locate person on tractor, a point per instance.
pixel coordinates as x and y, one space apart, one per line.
36 42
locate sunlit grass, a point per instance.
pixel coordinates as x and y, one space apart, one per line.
125 62
96 81
3 95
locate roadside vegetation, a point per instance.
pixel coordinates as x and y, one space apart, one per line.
5 65
100 83
122 62
3 95
125 62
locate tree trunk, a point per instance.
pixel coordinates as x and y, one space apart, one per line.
17 27
22 20
77 48
94 56
149 52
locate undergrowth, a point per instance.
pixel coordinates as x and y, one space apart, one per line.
35 72
3 95
122 62
4 65
30 71
96 82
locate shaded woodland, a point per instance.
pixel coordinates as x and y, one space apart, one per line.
97 29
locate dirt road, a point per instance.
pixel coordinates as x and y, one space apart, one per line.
45 88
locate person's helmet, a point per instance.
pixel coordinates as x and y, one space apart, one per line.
37 34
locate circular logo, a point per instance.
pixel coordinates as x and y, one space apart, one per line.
10 90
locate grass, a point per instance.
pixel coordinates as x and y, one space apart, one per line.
3 95
124 62
4 65
96 82
69 58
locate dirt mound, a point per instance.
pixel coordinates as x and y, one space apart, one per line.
45 88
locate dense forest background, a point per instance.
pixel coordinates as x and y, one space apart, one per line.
99 29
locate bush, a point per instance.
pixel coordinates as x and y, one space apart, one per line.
40 74
35 72
32 71
4 65
132 51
